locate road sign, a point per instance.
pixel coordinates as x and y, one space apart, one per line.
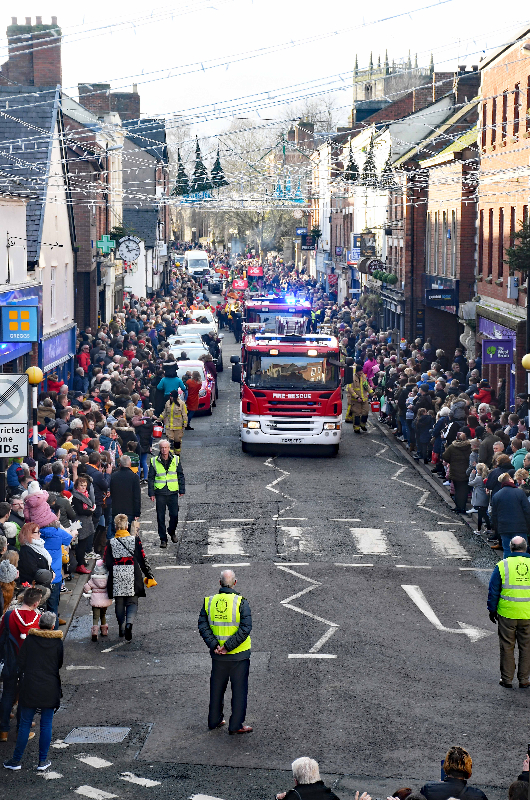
14 398
13 440
301 231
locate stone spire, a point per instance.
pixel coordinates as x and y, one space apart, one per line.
378 62
409 62
371 64
386 62
416 61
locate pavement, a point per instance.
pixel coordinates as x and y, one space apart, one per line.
372 647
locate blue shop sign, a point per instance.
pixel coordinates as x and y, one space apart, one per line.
57 349
19 323
497 351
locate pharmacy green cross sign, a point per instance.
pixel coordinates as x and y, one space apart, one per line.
106 244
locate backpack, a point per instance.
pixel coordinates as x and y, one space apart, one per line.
8 650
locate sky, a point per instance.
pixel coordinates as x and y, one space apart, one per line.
199 56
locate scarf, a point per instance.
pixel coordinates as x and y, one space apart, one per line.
38 546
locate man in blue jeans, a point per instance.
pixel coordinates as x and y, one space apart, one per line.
54 538
40 660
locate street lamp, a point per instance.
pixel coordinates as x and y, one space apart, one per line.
35 376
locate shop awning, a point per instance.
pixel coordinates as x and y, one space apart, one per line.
10 351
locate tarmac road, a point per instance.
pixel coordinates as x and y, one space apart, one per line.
372 647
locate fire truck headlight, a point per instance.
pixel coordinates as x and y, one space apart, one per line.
251 424
331 426
312 352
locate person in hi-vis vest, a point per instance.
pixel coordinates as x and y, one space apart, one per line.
509 607
225 623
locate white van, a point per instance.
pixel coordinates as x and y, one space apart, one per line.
196 262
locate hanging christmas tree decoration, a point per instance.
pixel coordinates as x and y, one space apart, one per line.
218 176
388 179
288 188
182 185
200 181
369 171
298 196
351 173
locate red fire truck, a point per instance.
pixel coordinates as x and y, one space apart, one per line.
264 311
290 390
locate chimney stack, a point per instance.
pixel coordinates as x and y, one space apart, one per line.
38 20
28 20
461 67
13 20
54 20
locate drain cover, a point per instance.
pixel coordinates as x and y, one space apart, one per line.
104 735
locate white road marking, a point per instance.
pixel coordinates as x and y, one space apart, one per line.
236 520
452 524
175 566
93 761
291 563
60 745
419 599
128 776
351 519
225 541
203 797
51 776
311 655
294 539
114 647
239 564
475 569
72 666
323 639
411 566
360 564
298 575
299 594
446 544
370 540
191 521
401 521
270 463
94 794
299 519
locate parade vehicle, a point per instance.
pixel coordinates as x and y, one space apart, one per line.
290 390
266 309
196 262
207 391
195 331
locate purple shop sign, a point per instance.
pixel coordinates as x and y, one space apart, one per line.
493 329
497 351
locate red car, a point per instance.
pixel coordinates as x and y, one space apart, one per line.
207 392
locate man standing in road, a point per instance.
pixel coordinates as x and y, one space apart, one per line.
509 607
125 491
225 623
165 484
358 393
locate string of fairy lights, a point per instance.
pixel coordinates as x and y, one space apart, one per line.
260 183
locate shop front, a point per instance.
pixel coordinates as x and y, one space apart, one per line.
56 354
393 301
501 345
440 302
20 321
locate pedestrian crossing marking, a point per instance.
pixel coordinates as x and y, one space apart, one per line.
51 776
93 793
370 541
93 761
225 541
446 544
131 778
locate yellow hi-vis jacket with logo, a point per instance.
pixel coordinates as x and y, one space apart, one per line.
514 602
162 477
224 618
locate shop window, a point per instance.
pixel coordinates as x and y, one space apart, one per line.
500 250
516 100
453 244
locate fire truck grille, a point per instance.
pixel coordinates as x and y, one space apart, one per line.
290 425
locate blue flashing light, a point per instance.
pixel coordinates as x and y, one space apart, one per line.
290 299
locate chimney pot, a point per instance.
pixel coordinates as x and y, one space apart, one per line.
13 20
28 20
38 20
461 67
135 88
474 67
54 20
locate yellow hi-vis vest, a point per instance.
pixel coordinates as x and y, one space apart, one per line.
514 602
163 478
224 618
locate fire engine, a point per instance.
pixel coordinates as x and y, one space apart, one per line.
290 388
263 312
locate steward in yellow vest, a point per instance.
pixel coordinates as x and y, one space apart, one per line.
509 607
165 482
225 622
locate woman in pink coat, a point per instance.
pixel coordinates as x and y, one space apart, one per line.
96 586
370 367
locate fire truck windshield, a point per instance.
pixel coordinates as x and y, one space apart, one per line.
289 371
268 318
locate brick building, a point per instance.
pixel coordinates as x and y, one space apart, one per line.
97 98
34 54
503 201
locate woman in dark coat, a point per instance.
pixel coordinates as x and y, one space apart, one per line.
39 660
126 563
33 554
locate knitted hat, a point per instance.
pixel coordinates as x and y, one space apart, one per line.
8 572
100 568
38 510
